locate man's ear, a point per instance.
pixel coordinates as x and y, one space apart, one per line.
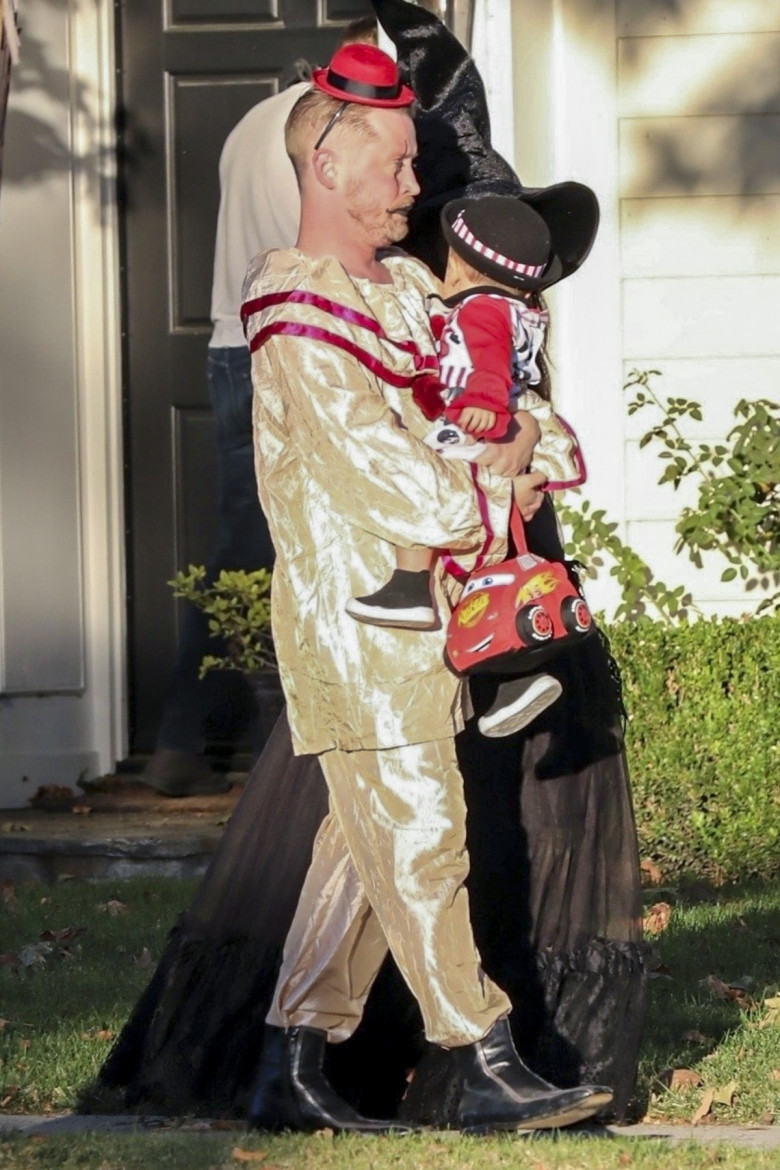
325 168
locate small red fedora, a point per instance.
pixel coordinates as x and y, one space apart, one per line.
364 74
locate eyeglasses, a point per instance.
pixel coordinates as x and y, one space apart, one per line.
331 123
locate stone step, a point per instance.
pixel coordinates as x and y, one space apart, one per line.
125 830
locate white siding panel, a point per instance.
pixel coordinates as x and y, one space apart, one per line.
702 316
654 540
646 499
718 155
729 236
43 646
716 383
730 74
649 18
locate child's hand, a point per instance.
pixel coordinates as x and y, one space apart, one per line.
474 420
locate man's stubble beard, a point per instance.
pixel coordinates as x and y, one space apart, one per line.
382 228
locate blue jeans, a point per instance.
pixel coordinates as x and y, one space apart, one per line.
243 542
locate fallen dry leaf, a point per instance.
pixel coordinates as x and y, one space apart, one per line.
8 892
35 954
14 827
100 1034
775 1074
82 810
680 1078
730 991
704 1107
9 959
240 1155
772 1016
67 932
114 907
143 960
695 1037
725 1094
654 875
48 792
657 918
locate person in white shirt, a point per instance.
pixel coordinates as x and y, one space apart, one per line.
259 209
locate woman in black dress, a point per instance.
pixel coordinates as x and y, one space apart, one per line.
554 884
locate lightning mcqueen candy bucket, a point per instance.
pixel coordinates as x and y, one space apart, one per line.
516 615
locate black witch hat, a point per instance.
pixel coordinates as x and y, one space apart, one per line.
456 157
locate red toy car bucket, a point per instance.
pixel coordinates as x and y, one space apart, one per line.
515 616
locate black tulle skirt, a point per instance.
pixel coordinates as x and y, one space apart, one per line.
555 901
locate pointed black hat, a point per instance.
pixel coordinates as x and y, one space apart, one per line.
456 157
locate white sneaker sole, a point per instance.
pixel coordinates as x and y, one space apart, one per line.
539 696
419 617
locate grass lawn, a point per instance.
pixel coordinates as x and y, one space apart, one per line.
76 955
210 1151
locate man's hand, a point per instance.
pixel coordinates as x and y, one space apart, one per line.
511 455
528 494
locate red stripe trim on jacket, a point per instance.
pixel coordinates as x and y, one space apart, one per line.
579 459
316 333
351 316
449 563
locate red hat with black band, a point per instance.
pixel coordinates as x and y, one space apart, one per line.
363 74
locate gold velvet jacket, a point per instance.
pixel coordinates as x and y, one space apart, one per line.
344 477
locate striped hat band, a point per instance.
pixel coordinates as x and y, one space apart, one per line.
462 230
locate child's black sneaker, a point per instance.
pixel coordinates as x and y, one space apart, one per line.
404 601
518 702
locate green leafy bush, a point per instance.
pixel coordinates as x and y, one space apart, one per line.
238 606
703 743
737 510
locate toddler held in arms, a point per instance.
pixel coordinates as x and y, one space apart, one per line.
491 330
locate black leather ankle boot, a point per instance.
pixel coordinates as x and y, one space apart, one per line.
501 1093
292 1091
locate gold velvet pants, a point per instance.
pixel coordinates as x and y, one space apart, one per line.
388 869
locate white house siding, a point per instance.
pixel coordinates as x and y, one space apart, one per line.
684 96
61 602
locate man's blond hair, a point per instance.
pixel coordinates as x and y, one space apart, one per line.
309 117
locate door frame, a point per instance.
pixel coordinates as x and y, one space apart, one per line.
98 327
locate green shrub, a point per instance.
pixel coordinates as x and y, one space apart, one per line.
703 744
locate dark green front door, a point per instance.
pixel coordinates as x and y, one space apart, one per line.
190 69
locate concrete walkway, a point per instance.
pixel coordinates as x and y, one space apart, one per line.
766 1137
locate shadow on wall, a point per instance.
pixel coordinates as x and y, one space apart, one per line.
735 147
699 94
705 94
46 102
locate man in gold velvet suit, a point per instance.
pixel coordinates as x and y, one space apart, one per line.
339 337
